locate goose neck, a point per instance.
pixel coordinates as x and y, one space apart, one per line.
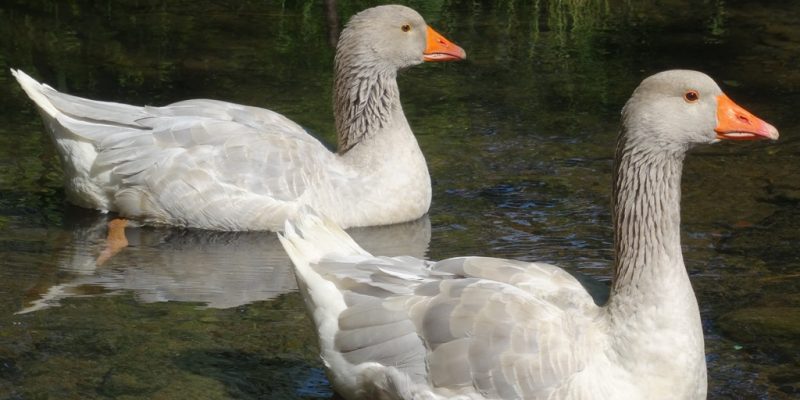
652 310
646 207
366 98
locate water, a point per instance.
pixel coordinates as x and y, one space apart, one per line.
519 141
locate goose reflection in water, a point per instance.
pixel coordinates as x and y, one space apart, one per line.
215 269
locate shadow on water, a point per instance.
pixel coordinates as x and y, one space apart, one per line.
518 139
248 376
767 320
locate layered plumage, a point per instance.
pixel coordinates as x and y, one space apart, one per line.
476 328
217 165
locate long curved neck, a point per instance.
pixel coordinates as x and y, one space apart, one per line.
646 205
652 310
392 183
366 97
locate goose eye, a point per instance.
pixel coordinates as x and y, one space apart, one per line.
406 28
691 96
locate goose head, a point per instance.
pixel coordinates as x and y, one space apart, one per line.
393 37
680 108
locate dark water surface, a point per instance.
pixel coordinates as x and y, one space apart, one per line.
519 140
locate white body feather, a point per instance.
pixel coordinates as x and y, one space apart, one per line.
462 328
217 165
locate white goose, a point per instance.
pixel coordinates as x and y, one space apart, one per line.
216 165
475 328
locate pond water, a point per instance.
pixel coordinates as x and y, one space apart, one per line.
519 140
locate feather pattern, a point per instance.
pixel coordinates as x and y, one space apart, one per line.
217 165
472 325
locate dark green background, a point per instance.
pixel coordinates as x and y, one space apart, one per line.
518 138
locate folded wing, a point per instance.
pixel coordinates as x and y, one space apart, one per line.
467 326
196 160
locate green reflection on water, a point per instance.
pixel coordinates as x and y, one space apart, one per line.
519 140
113 348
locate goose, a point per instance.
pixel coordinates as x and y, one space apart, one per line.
222 166
490 328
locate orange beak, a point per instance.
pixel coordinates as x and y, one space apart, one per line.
441 49
736 123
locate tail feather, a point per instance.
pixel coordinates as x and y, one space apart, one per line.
35 90
307 239
55 103
313 237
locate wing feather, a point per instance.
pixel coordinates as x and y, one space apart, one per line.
484 324
467 327
123 156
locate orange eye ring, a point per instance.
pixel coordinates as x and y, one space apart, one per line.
691 96
406 27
